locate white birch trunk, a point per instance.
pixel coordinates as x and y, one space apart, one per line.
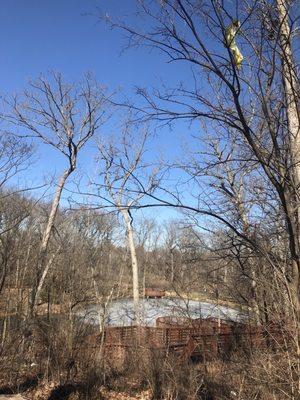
46 239
134 264
291 92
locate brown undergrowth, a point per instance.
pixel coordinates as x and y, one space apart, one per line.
52 360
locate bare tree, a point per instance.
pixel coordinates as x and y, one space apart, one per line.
126 185
257 103
14 157
14 210
291 91
64 117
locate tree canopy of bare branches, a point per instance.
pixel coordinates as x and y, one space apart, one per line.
63 116
252 112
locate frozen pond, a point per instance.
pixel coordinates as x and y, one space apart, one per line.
120 312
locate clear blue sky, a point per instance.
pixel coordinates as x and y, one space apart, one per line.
63 35
41 35
66 36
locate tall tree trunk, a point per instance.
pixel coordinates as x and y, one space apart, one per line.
134 264
43 267
291 92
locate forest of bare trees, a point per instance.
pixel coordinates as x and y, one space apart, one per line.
215 221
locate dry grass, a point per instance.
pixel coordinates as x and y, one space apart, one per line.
51 360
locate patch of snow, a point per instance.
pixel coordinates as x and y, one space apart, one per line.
121 312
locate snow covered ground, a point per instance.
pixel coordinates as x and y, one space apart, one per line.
120 312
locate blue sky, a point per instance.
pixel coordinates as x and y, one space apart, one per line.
66 36
38 36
